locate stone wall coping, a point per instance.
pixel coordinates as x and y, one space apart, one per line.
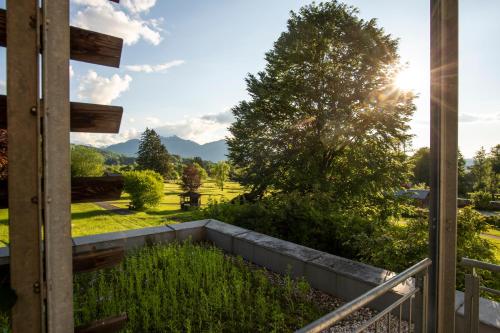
189 225
120 235
489 311
278 245
225 228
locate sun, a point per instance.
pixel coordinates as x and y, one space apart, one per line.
406 79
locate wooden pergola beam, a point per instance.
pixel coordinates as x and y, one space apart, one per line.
83 189
24 146
84 117
87 46
443 180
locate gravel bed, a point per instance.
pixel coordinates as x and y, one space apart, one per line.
330 303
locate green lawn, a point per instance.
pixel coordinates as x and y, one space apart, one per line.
89 219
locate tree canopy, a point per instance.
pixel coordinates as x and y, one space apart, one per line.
86 162
325 114
191 179
221 173
152 154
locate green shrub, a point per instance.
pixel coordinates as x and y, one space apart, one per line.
481 200
145 188
313 220
316 221
397 247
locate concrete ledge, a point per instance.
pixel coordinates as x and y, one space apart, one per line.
194 230
129 239
489 314
222 234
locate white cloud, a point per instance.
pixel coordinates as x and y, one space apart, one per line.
3 87
100 140
71 72
201 129
224 117
155 68
137 6
131 120
153 121
100 89
102 16
475 118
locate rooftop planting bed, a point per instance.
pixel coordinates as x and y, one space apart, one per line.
194 288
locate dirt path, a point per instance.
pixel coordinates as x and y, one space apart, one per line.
491 236
112 208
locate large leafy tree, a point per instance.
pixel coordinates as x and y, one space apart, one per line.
152 154
86 162
325 115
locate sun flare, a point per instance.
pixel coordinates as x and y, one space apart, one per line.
406 80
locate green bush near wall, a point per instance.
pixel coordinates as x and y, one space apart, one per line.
145 188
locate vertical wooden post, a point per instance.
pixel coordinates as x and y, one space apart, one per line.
444 146
56 154
23 114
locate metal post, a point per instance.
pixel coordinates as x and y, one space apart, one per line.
56 163
444 130
23 120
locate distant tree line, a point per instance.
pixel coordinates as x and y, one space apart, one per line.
482 176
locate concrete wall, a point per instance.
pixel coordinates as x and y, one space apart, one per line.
335 275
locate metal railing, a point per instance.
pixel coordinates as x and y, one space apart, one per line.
418 271
472 289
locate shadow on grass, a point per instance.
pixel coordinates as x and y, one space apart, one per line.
89 214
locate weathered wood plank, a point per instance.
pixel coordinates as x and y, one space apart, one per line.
82 262
108 325
96 260
85 45
444 39
83 189
92 189
95 47
95 118
56 197
24 146
84 117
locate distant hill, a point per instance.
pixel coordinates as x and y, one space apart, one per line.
212 151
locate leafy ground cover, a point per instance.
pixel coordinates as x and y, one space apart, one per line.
193 288
89 218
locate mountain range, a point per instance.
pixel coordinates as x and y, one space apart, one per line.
213 151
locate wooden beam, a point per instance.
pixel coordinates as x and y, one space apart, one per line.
83 189
24 146
56 199
84 117
92 189
85 45
443 180
107 325
95 118
82 262
95 48
96 260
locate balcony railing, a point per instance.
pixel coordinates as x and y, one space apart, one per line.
472 288
416 313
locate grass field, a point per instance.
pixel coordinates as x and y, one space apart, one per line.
89 219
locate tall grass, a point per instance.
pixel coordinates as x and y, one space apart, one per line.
192 288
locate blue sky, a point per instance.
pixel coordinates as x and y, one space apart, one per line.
184 62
